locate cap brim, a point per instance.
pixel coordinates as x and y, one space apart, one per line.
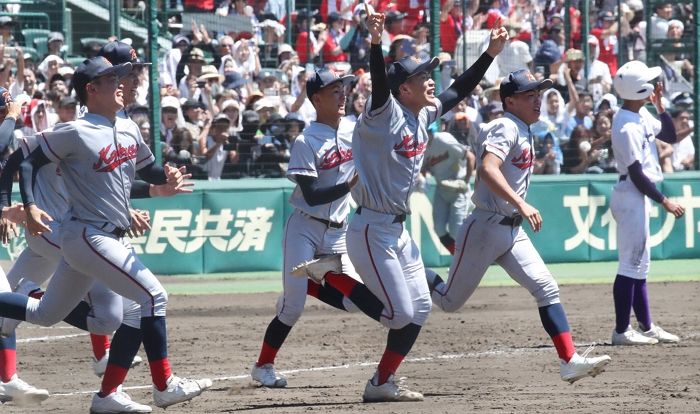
652 73
427 66
536 85
119 70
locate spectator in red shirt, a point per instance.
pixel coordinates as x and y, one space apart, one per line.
414 10
450 25
494 13
331 50
306 38
606 32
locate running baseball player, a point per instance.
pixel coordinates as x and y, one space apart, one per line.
493 232
449 162
388 144
634 130
98 156
322 167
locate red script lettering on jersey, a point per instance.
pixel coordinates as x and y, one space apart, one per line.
524 161
334 157
409 147
110 158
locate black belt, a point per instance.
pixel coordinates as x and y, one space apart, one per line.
399 218
328 223
117 232
623 177
514 221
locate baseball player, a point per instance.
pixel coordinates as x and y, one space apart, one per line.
388 144
493 232
633 132
11 386
98 156
322 167
449 163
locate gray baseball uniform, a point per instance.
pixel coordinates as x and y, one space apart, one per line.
492 232
379 246
445 160
324 154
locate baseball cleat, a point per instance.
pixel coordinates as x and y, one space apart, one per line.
656 332
582 366
632 337
100 366
316 269
116 402
390 391
21 393
267 376
179 390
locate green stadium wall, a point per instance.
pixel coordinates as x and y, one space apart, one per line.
238 225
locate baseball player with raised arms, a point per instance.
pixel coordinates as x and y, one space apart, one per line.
388 148
98 156
448 161
634 130
493 232
322 167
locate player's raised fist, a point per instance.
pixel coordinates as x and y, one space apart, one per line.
674 208
655 97
499 38
375 25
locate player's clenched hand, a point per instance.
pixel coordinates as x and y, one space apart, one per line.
532 215
174 175
499 38
36 218
674 208
655 98
140 222
375 25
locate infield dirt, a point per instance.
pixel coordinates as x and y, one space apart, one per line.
491 356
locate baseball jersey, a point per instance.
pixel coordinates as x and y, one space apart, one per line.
325 154
49 190
445 157
509 139
98 162
633 136
389 144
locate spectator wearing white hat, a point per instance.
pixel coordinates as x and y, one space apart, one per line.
599 78
209 84
677 69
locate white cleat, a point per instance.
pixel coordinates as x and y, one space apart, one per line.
582 366
267 376
179 390
21 393
632 337
100 366
8 326
316 269
390 391
116 402
656 332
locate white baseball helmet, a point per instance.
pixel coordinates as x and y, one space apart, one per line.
632 80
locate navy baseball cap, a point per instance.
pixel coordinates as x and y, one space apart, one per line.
322 78
119 52
3 94
522 81
93 68
401 70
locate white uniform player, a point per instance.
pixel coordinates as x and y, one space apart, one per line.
634 131
98 156
321 165
446 161
493 232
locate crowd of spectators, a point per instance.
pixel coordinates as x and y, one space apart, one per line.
233 102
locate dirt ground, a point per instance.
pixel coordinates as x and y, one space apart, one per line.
491 356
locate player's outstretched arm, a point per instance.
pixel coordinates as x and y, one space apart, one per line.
377 69
490 173
467 81
36 217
